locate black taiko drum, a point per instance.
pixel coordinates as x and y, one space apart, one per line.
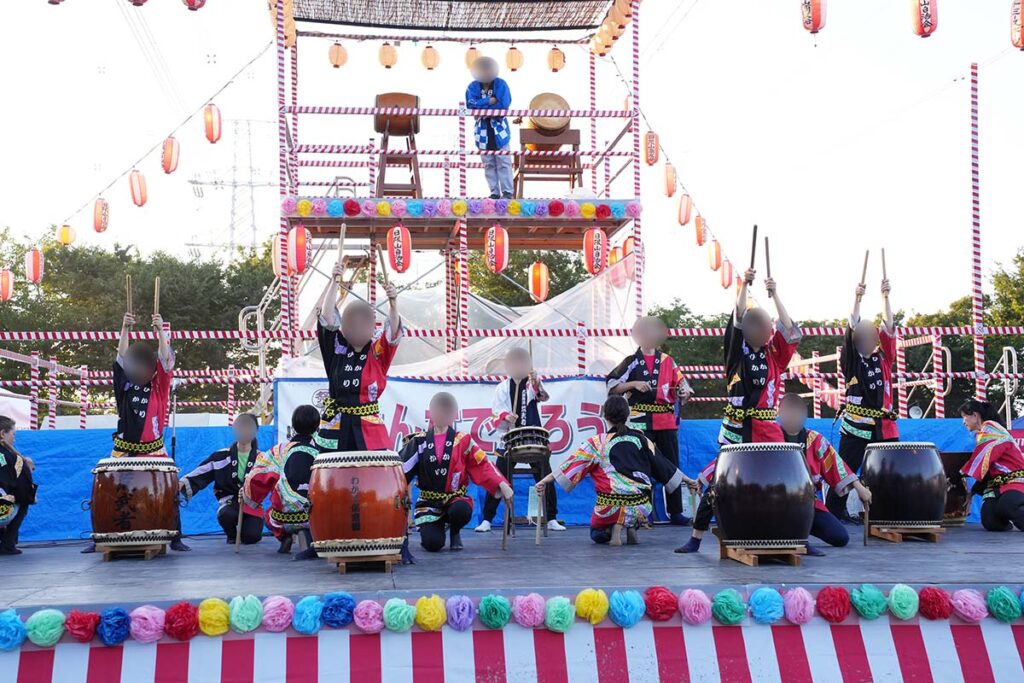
764 497
528 444
908 484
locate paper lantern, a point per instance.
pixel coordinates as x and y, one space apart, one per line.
290 34
514 58
496 248
606 34
538 281
137 3
137 185
211 121
55 2
556 60
685 208
298 250
430 57
595 250
34 266
613 29
617 269
628 257
625 6
670 180
926 16
652 148
100 215
725 274
66 235
6 285
714 255
618 16
597 47
279 245
701 230
813 14
169 157
387 55
399 248
194 5
627 104
338 55
472 54
1017 23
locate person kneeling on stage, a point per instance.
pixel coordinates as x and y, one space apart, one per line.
226 470
996 465
283 474
824 465
623 464
443 461
17 490
755 358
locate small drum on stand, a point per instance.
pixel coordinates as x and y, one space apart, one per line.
134 502
958 496
528 444
397 124
908 489
548 126
359 506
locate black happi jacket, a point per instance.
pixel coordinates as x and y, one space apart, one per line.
221 470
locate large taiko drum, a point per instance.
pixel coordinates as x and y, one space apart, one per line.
908 484
358 504
397 124
134 501
528 444
764 497
547 125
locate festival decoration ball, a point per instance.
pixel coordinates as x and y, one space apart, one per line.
34 266
813 14
137 185
387 55
496 248
701 230
538 281
472 54
652 148
595 250
430 57
169 156
670 180
725 274
714 255
926 16
338 55
6 285
211 122
399 248
514 58
66 235
299 244
1017 24
556 60
194 5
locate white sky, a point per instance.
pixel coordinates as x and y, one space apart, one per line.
860 140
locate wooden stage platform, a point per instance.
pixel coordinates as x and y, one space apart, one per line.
58 575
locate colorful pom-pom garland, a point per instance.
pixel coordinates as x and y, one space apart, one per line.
305 207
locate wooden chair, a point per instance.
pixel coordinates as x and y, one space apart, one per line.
554 168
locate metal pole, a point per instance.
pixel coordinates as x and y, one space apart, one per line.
638 246
283 178
977 304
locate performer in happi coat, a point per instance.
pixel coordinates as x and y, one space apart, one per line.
623 464
515 404
996 465
492 133
756 355
825 466
443 461
17 490
867 416
654 386
283 474
227 469
357 362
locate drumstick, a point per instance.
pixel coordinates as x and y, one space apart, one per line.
885 275
867 522
383 267
753 247
156 295
238 528
341 245
864 272
504 528
767 262
128 291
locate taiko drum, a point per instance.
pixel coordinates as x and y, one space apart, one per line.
134 501
397 124
908 484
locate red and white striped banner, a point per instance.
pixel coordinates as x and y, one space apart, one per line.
373 149
462 112
880 650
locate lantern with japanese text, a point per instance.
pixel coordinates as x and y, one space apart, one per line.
714 255
169 157
34 266
725 274
926 16
514 61
651 148
1017 24
629 256
617 269
387 55
6 285
298 250
685 208
496 248
66 235
538 281
278 248
137 185
670 180
194 5
211 122
338 55
100 215
813 14
399 248
700 229
430 57
472 54
595 250
556 60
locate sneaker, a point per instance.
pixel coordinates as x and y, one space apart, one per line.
495 195
91 548
506 195
692 546
679 519
814 552
307 554
483 527
554 525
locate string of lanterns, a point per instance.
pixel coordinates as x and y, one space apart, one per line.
430 57
192 5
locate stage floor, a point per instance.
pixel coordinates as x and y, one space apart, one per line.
58 575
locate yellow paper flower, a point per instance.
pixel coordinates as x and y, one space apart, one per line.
514 207
588 210
214 617
383 208
592 605
304 207
459 207
431 613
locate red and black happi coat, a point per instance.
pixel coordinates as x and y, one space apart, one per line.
654 409
868 413
142 410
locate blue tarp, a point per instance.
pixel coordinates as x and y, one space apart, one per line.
64 459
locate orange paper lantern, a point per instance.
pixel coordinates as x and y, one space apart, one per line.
430 57
670 180
298 250
169 157
813 14
685 208
538 281
472 54
34 266
338 55
514 58
496 248
714 255
66 235
1017 24
595 250
651 148
725 274
100 215
617 269
387 55
6 285
925 16
701 230
278 247
556 60
137 185
399 248
628 256
211 122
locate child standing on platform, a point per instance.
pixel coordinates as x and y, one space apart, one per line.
492 133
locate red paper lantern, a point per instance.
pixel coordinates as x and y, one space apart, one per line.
714 255
628 257
137 183
670 180
685 208
169 157
34 266
194 5
538 281
813 14
651 148
616 267
496 248
1017 23
211 121
399 248
926 16
725 275
698 224
100 215
6 285
595 250
298 250
279 246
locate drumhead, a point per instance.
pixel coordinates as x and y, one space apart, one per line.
898 445
357 459
129 464
527 430
761 447
549 124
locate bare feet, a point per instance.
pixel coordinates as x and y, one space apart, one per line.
616 535
631 537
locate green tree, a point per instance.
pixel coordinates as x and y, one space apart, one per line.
565 268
